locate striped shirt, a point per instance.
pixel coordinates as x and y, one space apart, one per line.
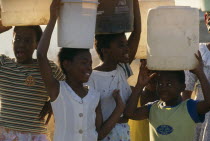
23 95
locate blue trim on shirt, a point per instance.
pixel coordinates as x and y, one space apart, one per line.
149 105
192 110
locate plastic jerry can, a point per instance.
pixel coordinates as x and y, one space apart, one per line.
114 16
76 24
173 38
145 5
25 12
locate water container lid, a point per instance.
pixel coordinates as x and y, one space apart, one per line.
79 1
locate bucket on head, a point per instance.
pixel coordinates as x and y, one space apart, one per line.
114 16
173 38
145 5
25 12
76 24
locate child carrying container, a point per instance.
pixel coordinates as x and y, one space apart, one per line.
76 107
170 118
116 53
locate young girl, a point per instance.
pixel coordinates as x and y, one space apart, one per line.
23 94
116 54
170 118
76 108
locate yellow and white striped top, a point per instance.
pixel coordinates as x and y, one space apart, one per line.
23 95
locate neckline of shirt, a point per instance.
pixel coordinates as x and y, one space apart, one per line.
75 96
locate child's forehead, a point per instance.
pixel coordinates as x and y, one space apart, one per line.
170 76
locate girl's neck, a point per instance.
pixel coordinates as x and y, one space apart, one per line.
77 87
173 103
29 61
107 66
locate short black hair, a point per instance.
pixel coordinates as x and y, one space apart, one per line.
68 54
180 75
36 28
103 41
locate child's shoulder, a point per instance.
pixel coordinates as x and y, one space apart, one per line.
192 110
125 68
150 104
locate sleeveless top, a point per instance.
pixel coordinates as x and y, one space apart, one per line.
74 116
174 123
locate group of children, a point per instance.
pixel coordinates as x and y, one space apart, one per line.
95 104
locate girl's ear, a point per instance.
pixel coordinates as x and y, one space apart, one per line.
66 65
105 51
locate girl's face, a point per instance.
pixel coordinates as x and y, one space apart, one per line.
24 44
80 68
119 49
169 87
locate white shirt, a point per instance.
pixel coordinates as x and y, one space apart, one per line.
107 82
191 79
75 117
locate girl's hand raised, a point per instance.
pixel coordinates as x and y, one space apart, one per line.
144 75
54 9
199 68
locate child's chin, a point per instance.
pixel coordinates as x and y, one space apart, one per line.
85 80
124 61
164 99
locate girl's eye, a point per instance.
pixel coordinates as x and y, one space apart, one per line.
17 39
169 84
160 84
27 41
84 62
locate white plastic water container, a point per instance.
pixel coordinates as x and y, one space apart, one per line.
76 24
25 12
205 5
145 5
173 38
191 3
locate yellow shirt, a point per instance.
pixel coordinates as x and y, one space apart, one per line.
139 130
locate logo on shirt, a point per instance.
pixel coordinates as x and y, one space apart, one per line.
164 129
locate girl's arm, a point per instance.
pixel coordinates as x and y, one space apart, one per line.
52 85
133 41
202 106
131 110
105 128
